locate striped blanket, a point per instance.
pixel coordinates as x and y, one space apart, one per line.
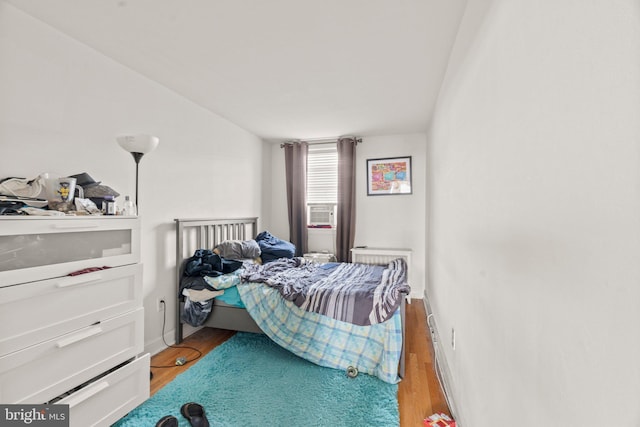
360 294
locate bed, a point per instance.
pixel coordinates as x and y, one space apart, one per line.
256 307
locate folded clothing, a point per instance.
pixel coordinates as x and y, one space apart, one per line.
202 294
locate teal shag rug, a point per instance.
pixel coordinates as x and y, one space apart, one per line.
251 381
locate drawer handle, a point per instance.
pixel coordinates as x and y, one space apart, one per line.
79 337
78 280
73 226
86 394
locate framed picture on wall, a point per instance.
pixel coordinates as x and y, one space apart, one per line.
389 176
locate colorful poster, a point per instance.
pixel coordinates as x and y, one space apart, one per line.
389 176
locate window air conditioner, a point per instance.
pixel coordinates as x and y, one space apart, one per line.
321 215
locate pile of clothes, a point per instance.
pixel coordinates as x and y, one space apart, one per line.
198 294
225 258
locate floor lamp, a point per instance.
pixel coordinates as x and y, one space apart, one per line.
138 146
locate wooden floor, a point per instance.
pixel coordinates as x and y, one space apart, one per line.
419 393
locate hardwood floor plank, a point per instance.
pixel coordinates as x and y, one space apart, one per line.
163 364
419 393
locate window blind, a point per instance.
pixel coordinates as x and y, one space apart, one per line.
322 173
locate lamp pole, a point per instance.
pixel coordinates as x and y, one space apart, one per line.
136 158
138 146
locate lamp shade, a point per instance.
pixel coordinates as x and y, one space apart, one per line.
138 143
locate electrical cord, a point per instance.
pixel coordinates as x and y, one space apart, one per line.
183 360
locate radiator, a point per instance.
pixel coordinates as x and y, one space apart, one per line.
380 256
367 255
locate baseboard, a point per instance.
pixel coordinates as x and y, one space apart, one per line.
157 345
442 367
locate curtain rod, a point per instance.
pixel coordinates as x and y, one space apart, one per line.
322 140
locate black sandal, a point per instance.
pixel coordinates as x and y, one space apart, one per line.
167 421
194 412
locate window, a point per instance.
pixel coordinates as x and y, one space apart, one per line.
322 173
322 184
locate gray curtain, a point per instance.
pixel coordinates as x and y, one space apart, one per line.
295 157
346 220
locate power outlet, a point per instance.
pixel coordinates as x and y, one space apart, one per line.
453 338
160 303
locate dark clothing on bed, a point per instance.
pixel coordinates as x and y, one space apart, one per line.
196 313
205 262
273 248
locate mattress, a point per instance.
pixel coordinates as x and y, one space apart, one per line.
230 297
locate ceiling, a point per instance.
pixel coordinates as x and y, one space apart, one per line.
279 68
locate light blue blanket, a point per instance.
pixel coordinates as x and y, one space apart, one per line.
374 349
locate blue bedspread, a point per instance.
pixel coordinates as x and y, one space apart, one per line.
374 349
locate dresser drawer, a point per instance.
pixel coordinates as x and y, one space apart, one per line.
109 398
37 248
37 311
41 372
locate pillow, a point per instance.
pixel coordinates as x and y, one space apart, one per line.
238 249
224 281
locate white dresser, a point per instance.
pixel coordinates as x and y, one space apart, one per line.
72 339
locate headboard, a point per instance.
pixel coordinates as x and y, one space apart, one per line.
192 234
204 233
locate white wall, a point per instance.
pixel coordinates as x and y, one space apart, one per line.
61 106
535 197
396 221
381 221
